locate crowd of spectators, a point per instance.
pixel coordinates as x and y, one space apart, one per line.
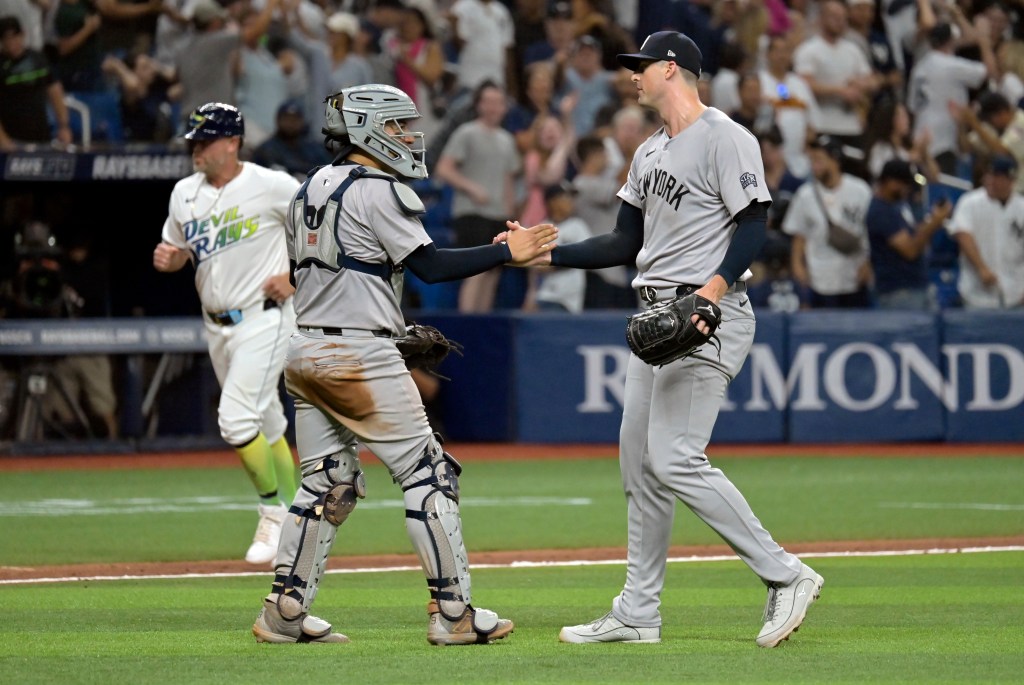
875 118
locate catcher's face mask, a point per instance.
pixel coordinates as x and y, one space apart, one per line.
373 118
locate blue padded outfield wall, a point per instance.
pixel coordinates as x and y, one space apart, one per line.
811 377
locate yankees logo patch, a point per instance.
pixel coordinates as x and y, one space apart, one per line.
748 179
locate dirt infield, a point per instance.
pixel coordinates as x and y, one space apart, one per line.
511 452
493 452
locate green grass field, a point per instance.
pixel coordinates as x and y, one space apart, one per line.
906 618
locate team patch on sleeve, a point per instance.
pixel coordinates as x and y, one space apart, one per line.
748 179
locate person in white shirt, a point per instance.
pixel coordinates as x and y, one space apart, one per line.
839 75
826 218
988 225
562 290
483 33
796 109
939 81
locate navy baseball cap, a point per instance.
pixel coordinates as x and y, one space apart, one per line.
832 146
1003 164
669 46
215 120
899 170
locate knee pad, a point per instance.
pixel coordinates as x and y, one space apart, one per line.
327 495
435 526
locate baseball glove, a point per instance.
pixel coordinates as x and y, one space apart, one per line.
664 333
425 347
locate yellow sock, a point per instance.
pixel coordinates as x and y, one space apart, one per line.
288 475
258 459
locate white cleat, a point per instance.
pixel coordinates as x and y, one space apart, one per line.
268 533
787 606
608 629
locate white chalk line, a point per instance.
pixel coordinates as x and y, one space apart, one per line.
527 564
977 506
153 505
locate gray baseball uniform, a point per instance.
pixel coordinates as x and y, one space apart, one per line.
689 188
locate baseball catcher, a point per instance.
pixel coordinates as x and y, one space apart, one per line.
666 332
425 347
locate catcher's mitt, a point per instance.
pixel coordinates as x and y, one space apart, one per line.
425 347
664 333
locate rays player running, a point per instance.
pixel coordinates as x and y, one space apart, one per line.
227 219
692 217
354 226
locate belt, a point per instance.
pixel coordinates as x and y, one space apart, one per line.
349 332
648 293
233 316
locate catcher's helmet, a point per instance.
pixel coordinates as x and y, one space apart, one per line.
215 120
357 116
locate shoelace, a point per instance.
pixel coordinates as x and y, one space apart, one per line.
264 529
597 624
769 608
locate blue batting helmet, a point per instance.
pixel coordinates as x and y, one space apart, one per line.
215 120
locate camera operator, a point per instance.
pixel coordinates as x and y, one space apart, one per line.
39 289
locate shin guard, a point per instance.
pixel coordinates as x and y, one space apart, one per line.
435 528
327 495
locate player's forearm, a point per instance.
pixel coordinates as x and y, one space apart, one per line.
746 243
436 266
617 248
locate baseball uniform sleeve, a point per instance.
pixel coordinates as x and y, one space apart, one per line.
736 167
962 218
399 233
173 232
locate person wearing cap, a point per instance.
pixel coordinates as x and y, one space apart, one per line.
588 83
290 149
27 87
988 225
554 289
692 220
347 68
899 243
826 219
559 34
227 220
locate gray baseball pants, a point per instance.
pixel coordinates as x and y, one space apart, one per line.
667 419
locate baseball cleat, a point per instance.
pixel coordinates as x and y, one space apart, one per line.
268 533
608 629
271 626
787 606
475 626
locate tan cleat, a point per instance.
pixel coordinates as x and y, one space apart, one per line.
272 627
475 626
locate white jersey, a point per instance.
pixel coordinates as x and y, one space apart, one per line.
998 231
796 110
371 227
833 64
235 233
689 188
831 272
935 81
